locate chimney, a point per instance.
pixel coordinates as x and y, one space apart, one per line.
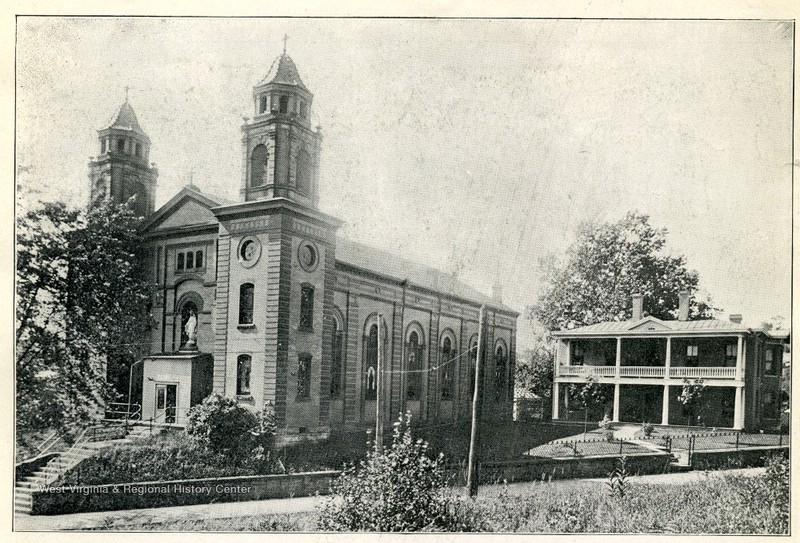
736 317
683 305
637 306
497 293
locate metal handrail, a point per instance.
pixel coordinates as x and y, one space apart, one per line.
132 411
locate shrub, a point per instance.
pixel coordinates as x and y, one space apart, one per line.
605 424
618 479
223 426
647 429
397 488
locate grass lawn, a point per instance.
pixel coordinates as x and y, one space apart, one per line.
727 504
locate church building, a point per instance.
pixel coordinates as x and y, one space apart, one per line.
261 300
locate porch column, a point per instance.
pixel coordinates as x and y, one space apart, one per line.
568 361
555 400
615 415
738 409
668 358
557 360
739 359
619 358
665 407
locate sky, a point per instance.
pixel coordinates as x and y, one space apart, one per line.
474 146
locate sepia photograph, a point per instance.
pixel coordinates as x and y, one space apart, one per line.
402 274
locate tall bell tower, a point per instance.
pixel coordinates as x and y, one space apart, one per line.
121 170
280 147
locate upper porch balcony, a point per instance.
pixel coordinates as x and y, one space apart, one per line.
709 358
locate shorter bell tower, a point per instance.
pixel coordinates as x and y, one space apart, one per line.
280 147
121 170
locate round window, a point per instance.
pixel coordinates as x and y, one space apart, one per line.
249 251
307 255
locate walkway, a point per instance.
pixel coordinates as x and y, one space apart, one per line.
119 520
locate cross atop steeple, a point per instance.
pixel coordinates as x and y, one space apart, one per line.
285 39
127 88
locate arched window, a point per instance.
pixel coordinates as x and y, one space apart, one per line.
371 363
336 361
473 358
447 363
246 292
181 264
198 259
243 366
189 260
303 174
262 101
259 161
121 145
500 370
284 104
304 376
414 367
188 310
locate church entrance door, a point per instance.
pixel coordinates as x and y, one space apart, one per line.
166 403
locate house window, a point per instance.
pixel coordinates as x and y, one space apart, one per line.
500 373
336 361
138 148
121 145
730 355
262 107
304 376
306 307
303 173
103 147
692 360
181 259
303 111
769 359
371 363
259 162
577 354
243 366
414 367
447 369
770 406
246 292
284 104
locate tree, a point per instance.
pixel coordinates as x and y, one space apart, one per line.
534 374
690 396
589 394
604 266
82 310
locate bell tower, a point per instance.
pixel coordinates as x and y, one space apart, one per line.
280 147
121 169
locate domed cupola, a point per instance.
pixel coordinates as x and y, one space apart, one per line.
281 148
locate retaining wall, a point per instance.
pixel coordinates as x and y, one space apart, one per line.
75 499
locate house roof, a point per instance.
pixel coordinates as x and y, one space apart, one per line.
125 119
654 326
384 263
284 72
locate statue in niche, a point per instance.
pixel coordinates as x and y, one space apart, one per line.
189 332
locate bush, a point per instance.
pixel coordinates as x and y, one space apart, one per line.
396 489
222 425
605 424
647 429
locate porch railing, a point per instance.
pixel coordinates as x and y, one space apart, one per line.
580 371
642 371
703 373
656 372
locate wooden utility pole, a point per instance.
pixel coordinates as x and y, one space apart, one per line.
472 468
378 386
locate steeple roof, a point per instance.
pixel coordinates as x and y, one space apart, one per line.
284 72
125 119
